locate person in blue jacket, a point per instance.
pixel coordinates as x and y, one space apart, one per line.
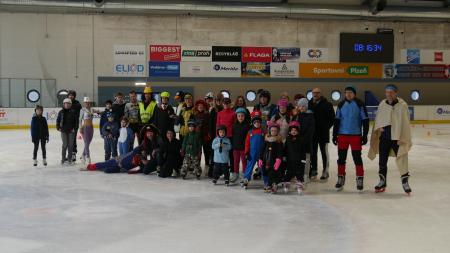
105 115
221 146
110 134
39 134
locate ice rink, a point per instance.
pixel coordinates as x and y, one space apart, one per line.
60 209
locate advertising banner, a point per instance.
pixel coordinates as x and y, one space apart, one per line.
129 60
284 69
226 54
165 53
441 112
164 69
255 69
285 54
225 69
196 53
421 71
340 70
256 54
425 56
195 69
314 55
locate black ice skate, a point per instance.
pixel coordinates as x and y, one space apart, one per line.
381 186
340 183
245 183
227 183
214 181
325 176
44 161
405 184
360 183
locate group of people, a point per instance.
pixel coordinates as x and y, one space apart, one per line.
276 142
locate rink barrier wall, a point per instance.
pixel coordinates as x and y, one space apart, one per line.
20 118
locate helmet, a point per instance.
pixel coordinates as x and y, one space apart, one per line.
256 115
191 122
87 100
148 89
271 124
187 95
165 94
179 95
294 124
241 110
67 100
209 95
221 127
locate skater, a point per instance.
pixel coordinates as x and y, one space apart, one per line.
87 128
267 110
240 130
351 117
294 152
391 136
76 107
324 117
39 134
149 150
131 111
271 157
118 107
105 115
221 146
122 164
147 108
282 117
170 159
201 117
67 124
164 117
186 114
215 106
126 136
306 120
192 151
253 143
110 134
240 104
227 117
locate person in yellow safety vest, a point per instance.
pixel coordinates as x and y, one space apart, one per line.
186 114
147 107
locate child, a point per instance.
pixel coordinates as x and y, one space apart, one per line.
170 155
126 136
271 157
306 120
150 150
295 154
282 118
87 128
253 143
240 130
105 114
110 133
192 151
201 116
221 146
39 134
67 123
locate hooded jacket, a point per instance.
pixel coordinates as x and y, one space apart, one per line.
324 118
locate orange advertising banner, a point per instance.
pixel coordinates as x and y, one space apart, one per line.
341 70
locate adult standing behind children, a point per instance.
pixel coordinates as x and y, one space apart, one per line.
131 112
147 107
118 107
67 123
164 116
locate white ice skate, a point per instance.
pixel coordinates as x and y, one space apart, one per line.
35 162
286 188
300 188
44 161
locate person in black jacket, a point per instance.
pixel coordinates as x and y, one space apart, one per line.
240 129
118 107
39 134
307 125
215 106
67 123
170 159
76 107
164 115
296 158
324 117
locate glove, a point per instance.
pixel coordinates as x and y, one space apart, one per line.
363 140
248 157
260 163
335 140
277 164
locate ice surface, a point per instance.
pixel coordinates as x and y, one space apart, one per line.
60 209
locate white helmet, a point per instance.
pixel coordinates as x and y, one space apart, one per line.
87 100
209 95
67 100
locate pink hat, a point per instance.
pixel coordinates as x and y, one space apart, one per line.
294 124
271 124
283 102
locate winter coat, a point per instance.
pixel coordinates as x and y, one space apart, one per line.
271 150
213 121
202 124
267 111
119 111
294 149
307 126
226 117
67 120
240 131
164 119
186 114
129 135
221 147
283 122
104 118
110 130
192 144
324 118
169 152
39 128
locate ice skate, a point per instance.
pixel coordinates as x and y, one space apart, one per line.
214 181
44 161
35 162
300 188
234 177
405 184
227 183
267 189
83 159
340 183
325 176
245 183
286 188
274 188
74 157
360 184
381 186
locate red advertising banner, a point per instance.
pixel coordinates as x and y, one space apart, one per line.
256 54
165 53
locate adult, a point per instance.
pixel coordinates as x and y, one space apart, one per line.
87 128
201 116
215 106
118 107
179 98
240 103
147 108
391 136
67 123
164 116
351 127
265 107
324 116
76 107
132 112
186 113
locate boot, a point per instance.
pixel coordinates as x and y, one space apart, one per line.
44 161
325 176
405 184
340 183
35 162
360 183
381 186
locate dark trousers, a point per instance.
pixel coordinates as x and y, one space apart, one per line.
314 152
207 151
75 150
295 169
36 148
221 169
385 147
110 148
150 166
171 164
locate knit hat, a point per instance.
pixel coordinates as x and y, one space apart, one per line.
294 124
303 102
283 102
241 110
392 87
351 88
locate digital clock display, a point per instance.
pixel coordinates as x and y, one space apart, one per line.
364 47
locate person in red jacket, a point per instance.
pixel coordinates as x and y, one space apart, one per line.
227 117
